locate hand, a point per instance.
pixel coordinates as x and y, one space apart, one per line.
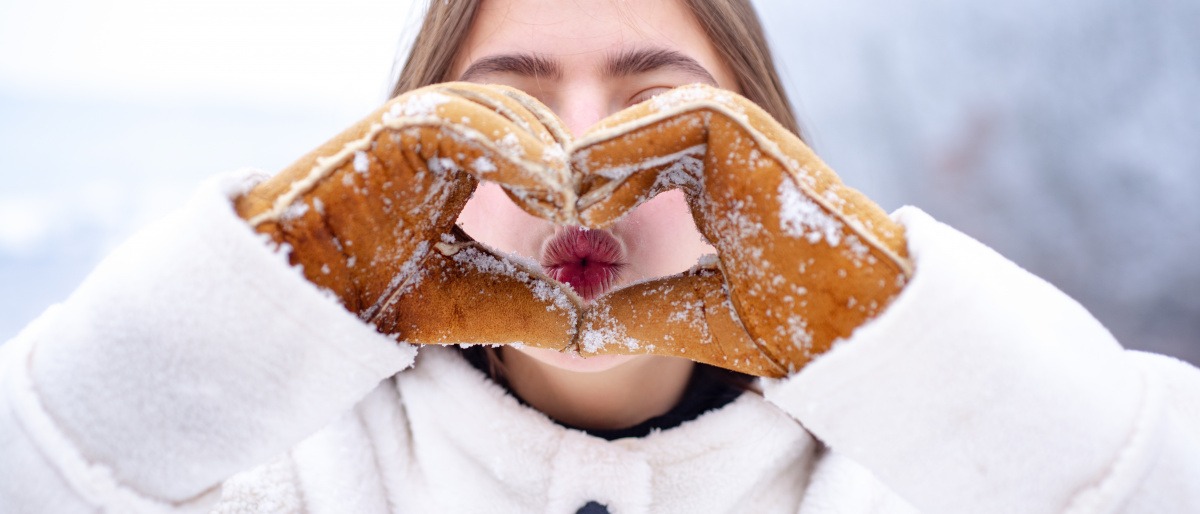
364 214
802 259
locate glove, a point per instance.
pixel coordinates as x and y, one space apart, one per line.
802 259
363 214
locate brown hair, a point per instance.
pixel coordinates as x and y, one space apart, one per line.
732 26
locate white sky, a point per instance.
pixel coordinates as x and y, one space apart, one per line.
211 48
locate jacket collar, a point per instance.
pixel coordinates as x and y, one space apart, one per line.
471 438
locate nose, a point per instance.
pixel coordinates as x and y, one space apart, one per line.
581 107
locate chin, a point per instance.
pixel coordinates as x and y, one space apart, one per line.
570 362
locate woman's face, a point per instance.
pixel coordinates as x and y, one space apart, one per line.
586 59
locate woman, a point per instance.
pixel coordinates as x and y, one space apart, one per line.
196 370
656 46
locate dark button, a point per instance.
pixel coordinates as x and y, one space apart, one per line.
592 508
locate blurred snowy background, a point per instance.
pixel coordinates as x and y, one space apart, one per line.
1066 134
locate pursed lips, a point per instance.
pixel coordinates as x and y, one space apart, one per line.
590 261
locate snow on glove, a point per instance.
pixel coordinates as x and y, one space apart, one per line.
369 216
363 214
802 259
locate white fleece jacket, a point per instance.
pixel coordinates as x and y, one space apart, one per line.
195 371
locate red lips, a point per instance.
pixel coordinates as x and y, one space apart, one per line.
590 261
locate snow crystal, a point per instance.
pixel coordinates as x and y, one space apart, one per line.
684 311
685 159
856 247
422 104
593 340
802 338
554 153
486 263
361 162
511 145
542 290
740 220
683 174
831 195
294 211
440 165
708 260
799 216
672 99
555 296
483 165
406 278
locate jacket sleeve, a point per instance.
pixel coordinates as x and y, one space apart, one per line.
193 352
983 388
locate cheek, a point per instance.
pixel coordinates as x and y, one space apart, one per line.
661 237
491 218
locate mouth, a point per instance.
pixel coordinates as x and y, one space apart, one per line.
590 261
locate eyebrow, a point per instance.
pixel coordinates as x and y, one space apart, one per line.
642 60
531 65
623 64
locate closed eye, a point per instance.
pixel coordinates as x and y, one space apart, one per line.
647 94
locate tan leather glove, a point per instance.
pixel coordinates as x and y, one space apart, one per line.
364 213
802 259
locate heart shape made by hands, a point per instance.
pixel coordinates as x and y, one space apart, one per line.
802 259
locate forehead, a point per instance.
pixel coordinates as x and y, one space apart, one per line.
581 33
